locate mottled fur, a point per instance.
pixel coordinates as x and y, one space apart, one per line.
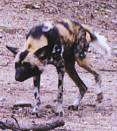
60 43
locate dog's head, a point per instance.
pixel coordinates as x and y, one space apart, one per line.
27 60
24 69
38 47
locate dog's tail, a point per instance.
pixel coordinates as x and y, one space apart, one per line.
98 39
102 42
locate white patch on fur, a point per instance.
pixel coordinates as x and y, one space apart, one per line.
54 50
60 76
102 42
48 25
77 101
62 50
36 109
37 100
36 91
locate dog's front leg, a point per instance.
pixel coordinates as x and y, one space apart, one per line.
60 70
36 81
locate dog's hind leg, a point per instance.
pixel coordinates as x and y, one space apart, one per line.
70 69
84 64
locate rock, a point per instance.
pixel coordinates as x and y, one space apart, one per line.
114 21
2 99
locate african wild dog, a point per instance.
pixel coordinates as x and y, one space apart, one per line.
60 43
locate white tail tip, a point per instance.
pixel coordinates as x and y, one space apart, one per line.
102 42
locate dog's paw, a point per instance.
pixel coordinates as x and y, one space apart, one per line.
73 107
35 111
75 104
59 111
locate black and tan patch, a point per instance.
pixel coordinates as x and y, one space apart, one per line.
34 44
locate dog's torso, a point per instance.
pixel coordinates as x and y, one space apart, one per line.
57 37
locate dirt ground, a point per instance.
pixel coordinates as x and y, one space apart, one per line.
16 18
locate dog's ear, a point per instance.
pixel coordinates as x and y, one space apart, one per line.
14 50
